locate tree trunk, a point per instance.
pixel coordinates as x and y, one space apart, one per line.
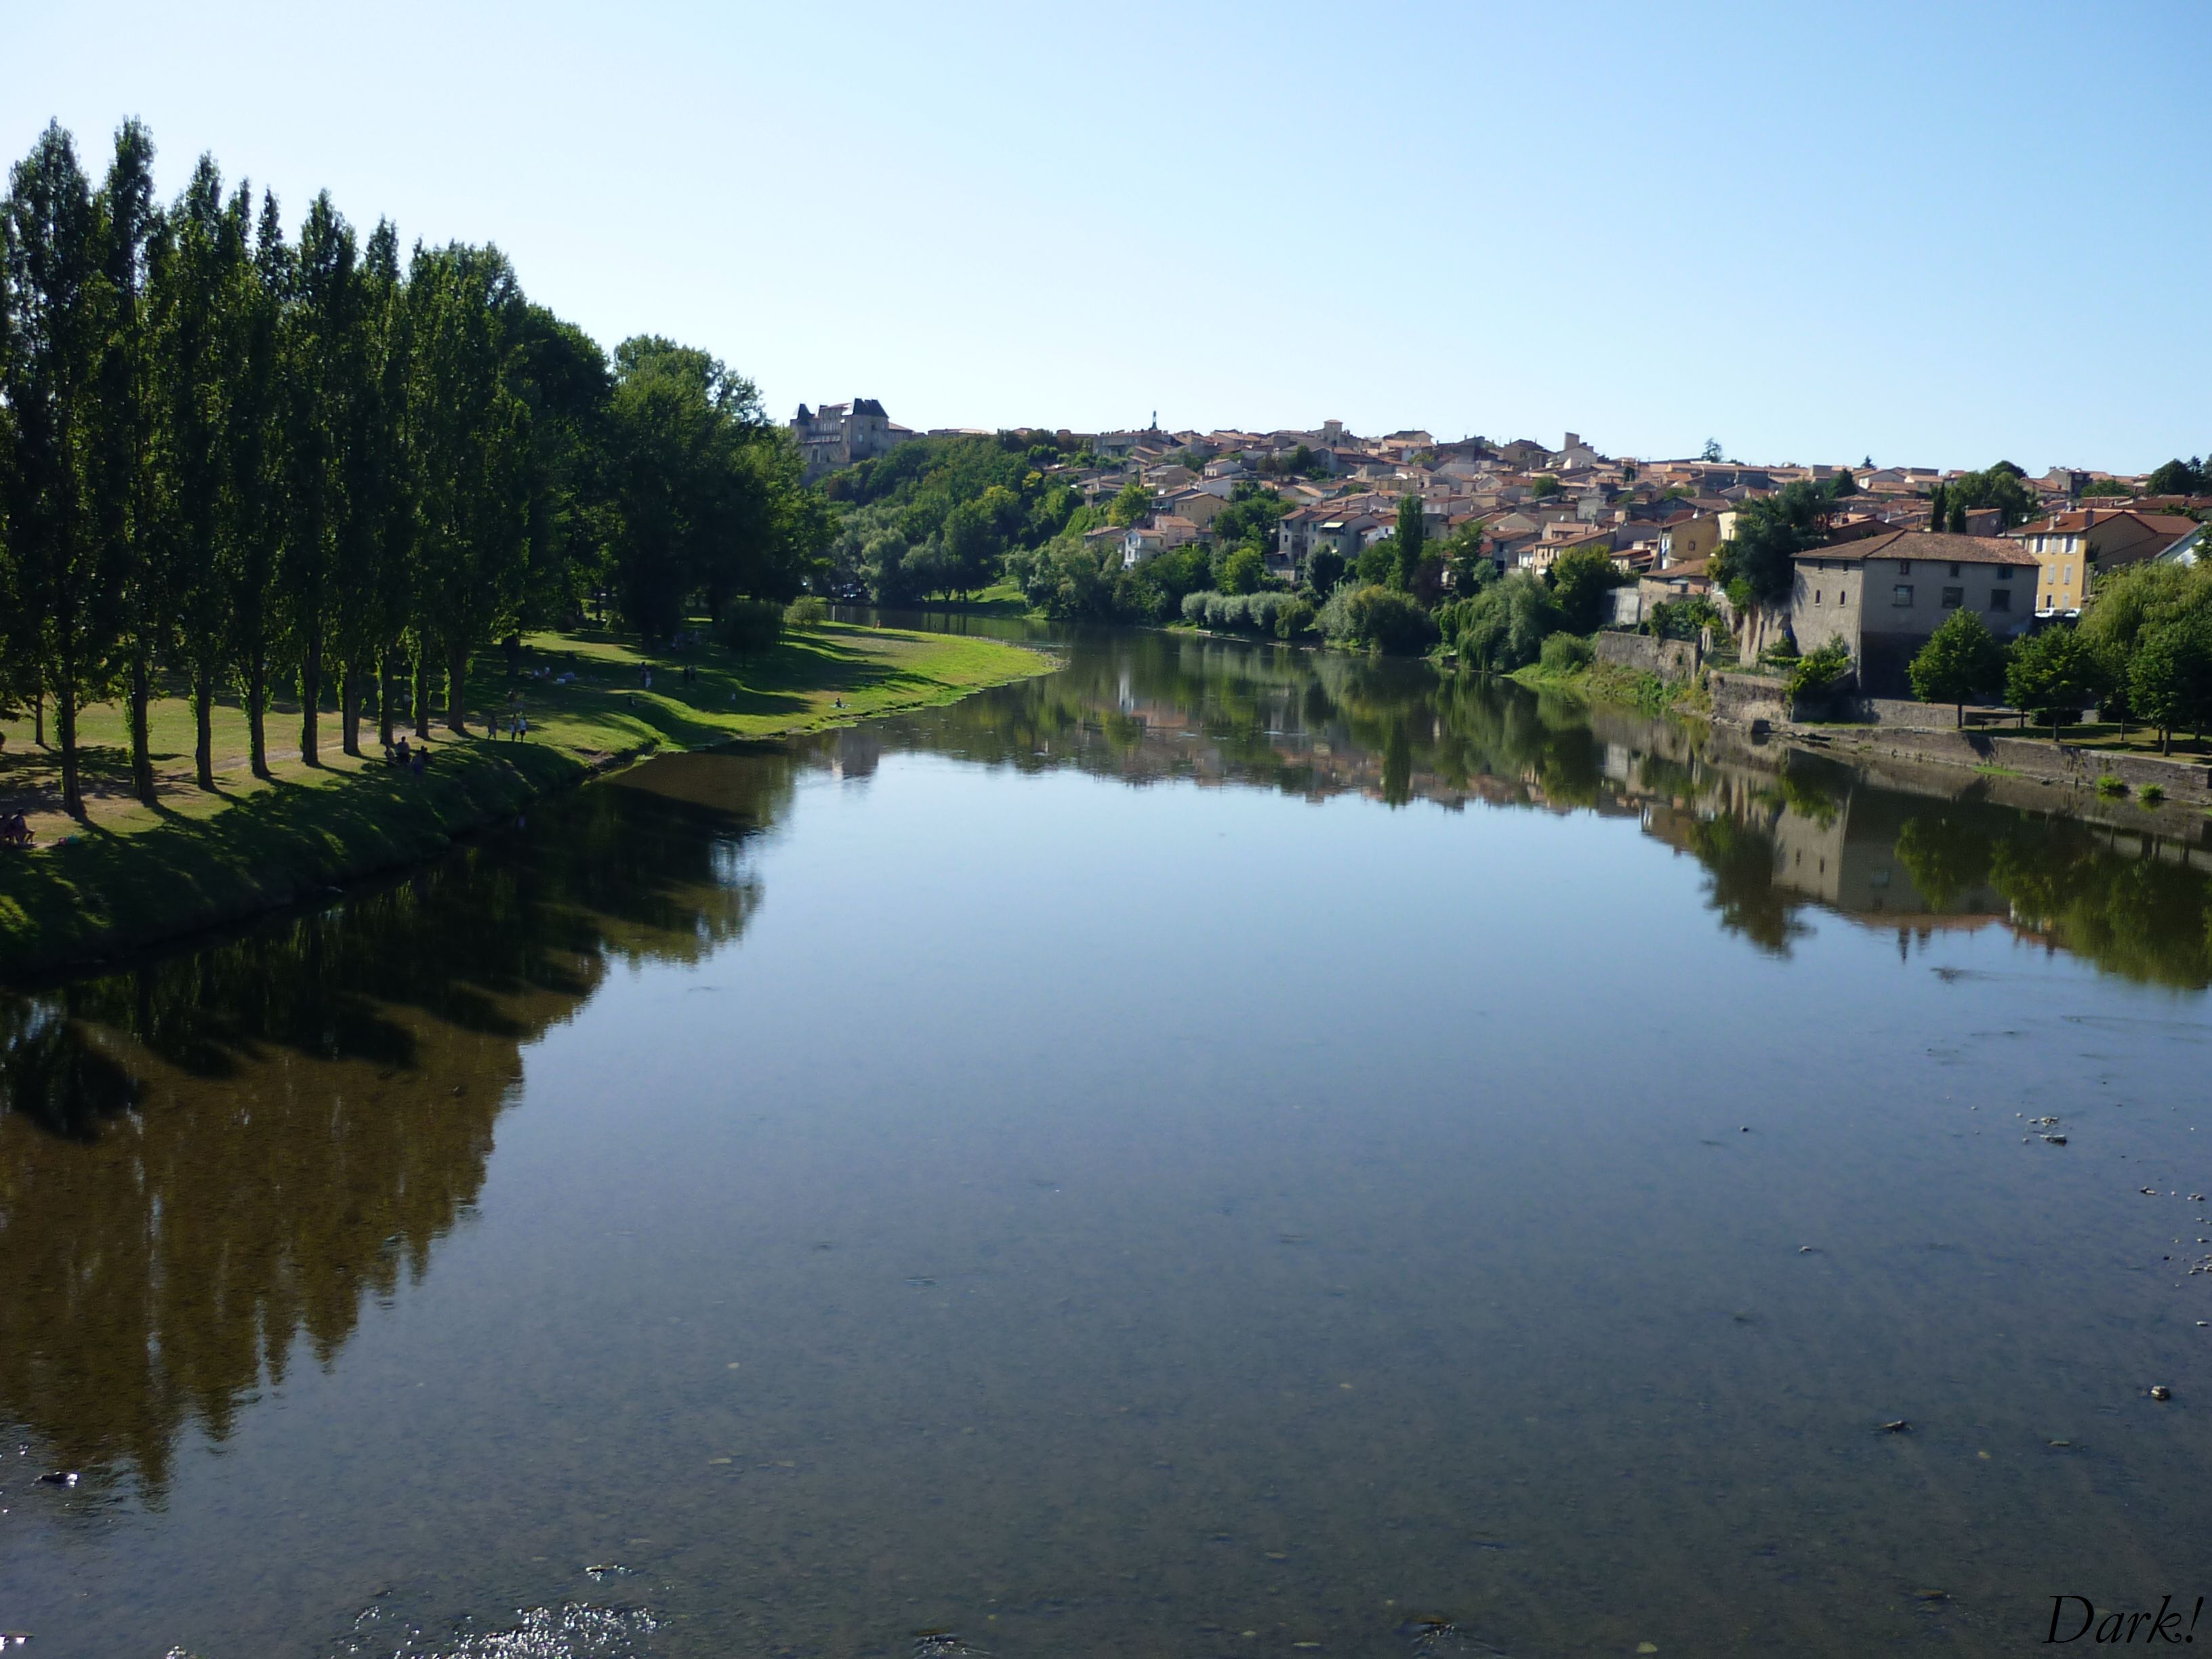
39 720
310 698
423 692
349 709
204 729
384 698
142 758
2165 740
65 720
256 717
457 681
1962 717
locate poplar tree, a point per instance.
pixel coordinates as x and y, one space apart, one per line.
257 516
196 286
124 496
323 378
384 509
468 439
56 303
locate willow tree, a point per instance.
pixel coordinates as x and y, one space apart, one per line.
58 310
468 443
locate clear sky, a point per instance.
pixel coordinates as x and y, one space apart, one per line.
1936 234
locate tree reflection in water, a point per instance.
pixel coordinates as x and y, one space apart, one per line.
208 1158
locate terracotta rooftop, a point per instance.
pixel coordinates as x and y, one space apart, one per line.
1926 545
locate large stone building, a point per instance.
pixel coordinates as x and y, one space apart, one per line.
1883 596
838 435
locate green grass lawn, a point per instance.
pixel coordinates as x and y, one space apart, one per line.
132 873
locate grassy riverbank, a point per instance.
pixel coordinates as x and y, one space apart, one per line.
1600 682
133 875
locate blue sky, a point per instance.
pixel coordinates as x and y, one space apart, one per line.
1932 234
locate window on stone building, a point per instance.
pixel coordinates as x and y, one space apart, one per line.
1901 594
2001 599
1953 598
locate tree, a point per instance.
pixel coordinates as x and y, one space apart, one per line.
1937 506
128 515
326 418
1843 483
1711 452
1999 486
2052 674
196 284
469 457
1131 503
1582 577
2170 674
1543 485
1819 670
58 309
2180 477
1324 570
253 454
1242 570
1770 531
1252 515
1961 659
1412 541
1471 568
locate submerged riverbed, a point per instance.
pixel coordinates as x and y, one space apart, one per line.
1218 1150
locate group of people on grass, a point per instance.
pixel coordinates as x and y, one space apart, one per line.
405 757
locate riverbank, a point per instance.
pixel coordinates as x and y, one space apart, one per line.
134 876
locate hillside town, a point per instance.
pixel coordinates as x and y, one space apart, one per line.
1659 521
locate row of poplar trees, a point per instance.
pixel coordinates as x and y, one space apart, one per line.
234 462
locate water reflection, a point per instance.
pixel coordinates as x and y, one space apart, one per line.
209 1157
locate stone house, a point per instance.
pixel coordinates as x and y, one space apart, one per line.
838 435
1883 596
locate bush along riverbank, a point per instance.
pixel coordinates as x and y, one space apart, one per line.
130 876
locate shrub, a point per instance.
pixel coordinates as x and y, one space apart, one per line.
2151 794
1294 618
1821 671
1193 608
2109 786
1377 617
808 610
1566 653
1503 626
750 626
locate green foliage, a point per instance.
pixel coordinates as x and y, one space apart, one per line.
1543 486
1249 613
1470 568
1580 579
1961 659
1251 516
1504 627
749 626
1821 671
808 610
950 515
2052 674
1295 618
1770 533
2098 488
1377 617
1999 486
1682 619
1410 544
2169 672
2110 786
2179 477
1240 570
1132 502
1566 653
2151 794
1324 571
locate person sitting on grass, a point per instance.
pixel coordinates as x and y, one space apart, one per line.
14 831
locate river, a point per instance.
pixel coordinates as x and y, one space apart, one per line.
1220 1149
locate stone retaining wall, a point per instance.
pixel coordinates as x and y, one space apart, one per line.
1674 661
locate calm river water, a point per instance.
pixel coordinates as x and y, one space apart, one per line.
1218 1151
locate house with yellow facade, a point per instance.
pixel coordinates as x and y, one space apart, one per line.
2070 548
